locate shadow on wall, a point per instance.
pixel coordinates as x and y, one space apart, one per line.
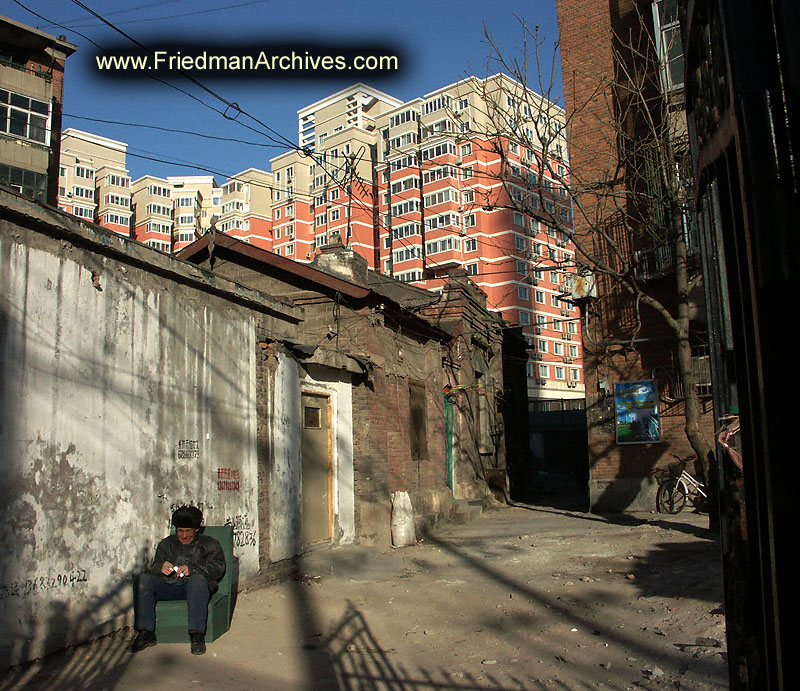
99 663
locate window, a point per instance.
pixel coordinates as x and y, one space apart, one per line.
519 242
83 192
334 214
158 191
523 293
544 371
471 269
118 180
471 245
466 149
439 103
277 214
540 297
542 345
469 221
524 317
558 348
24 117
559 372
84 172
668 43
185 201
117 199
82 212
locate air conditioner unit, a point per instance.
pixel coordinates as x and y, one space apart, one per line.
561 243
459 161
568 336
462 231
529 255
571 384
565 337
564 313
533 280
541 382
537 330
569 360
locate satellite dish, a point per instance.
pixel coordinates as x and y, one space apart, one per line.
583 287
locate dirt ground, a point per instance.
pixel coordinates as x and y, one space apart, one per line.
521 598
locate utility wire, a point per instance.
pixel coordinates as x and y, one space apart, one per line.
225 8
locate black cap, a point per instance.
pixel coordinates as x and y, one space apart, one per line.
187 517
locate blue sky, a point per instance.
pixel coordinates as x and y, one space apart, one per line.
439 42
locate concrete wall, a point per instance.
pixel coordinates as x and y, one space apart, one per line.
123 394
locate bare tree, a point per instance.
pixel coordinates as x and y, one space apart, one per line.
630 199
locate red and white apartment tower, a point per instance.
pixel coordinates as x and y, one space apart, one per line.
423 187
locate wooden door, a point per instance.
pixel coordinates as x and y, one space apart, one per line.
315 449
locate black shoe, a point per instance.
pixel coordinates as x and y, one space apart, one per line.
144 639
198 642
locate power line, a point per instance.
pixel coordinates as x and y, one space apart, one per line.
174 131
225 8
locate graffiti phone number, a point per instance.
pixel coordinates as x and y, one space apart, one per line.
28 586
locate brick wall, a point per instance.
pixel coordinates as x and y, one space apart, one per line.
593 33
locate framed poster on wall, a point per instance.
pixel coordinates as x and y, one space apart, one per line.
636 418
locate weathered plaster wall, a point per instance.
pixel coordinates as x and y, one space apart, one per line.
285 518
122 395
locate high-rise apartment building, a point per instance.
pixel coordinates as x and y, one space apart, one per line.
420 188
93 180
31 97
151 200
245 208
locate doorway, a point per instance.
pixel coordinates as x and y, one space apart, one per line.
315 449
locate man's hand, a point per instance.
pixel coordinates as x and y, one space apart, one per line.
166 568
183 571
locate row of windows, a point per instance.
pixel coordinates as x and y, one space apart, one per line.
116 219
24 117
437 103
405 116
118 200
27 182
559 372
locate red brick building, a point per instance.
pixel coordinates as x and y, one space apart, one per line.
625 340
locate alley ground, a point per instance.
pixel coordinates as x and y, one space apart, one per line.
521 598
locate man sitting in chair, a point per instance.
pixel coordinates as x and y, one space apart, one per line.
188 566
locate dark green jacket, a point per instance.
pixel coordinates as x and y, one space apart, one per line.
203 555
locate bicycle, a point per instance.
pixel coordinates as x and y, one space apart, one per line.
677 489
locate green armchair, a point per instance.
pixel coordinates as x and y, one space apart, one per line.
172 615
